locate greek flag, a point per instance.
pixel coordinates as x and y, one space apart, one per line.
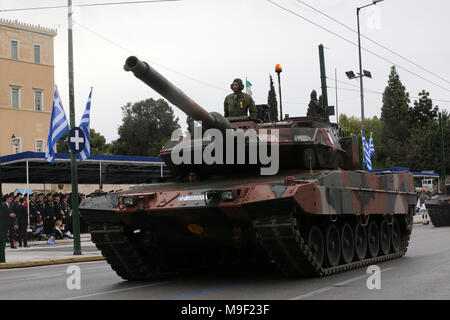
368 150
248 87
58 126
84 125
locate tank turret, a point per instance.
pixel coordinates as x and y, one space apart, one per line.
302 142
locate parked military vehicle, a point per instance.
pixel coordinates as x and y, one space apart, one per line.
317 215
439 208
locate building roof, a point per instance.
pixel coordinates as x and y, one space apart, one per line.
119 169
415 174
27 27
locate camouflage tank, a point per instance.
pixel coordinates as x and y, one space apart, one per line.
439 208
317 215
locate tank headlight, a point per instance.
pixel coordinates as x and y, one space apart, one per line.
128 201
227 195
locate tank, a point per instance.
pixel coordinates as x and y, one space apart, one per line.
439 208
315 215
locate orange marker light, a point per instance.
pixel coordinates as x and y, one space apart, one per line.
278 68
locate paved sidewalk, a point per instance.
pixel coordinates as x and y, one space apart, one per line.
40 253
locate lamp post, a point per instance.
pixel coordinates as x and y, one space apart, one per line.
361 73
278 70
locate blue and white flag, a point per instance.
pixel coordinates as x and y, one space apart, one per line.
368 150
58 127
84 125
371 147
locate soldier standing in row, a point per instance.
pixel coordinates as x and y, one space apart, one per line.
67 213
49 214
238 103
34 212
22 222
8 218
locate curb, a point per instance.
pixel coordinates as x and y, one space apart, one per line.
49 262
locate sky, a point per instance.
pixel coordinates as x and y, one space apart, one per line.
202 45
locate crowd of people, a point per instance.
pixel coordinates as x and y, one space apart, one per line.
41 217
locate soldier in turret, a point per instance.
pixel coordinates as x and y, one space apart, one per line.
315 106
239 103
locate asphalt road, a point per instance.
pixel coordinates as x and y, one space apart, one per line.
424 273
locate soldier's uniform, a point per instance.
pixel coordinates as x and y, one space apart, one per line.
34 212
238 104
66 218
49 215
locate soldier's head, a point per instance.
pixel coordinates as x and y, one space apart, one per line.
192 176
314 95
237 85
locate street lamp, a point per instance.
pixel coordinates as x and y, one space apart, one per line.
362 73
278 70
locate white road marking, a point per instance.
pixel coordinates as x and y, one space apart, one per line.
114 291
322 290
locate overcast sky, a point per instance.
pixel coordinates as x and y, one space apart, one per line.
202 45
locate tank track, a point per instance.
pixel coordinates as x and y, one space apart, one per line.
124 256
281 238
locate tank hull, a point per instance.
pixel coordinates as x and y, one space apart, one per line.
162 229
439 211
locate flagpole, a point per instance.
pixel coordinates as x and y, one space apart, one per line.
73 158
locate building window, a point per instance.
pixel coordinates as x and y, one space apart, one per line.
37 53
39 145
14 49
17 145
38 100
15 98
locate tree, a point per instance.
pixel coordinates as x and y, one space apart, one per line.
423 111
396 120
352 125
98 143
146 126
424 147
190 125
272 101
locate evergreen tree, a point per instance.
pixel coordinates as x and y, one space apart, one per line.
396 121
424 151
272 102
190 125
423 111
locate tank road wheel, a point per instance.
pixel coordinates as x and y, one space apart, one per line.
360 242
385 238
395 236
315 244
373 238
333 248
347 243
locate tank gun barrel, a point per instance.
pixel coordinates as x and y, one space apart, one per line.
165 88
